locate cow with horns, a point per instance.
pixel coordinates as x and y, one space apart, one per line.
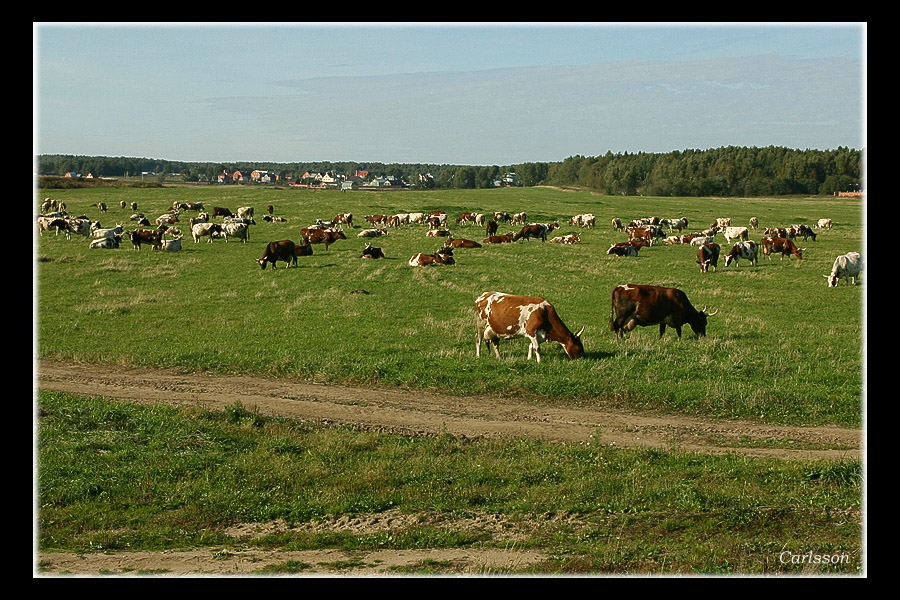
647 305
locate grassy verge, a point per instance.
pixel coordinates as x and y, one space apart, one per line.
120 476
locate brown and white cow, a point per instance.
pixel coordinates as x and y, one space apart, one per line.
322 236
466 217
647 305
505 238
444 256
536 230
566 239
282 250
782 246
376 219
199 230
343 219
748 250
145 236
708 256
505 316
461 243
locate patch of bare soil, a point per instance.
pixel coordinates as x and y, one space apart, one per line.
405 413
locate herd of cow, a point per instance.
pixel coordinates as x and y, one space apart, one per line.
498 315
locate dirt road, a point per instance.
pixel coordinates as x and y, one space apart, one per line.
420 413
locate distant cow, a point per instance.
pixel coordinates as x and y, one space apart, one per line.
847 266
536 230
376 219
736 233
199 230
303 249
617 224
622 249
506 316
244 212
806 231
444 256
372 252
518 218
824 224
107 242
505 238
282 250
372 233
647 305
462 243
708 256
782 246
748 250
491 227
754 222
566 239
145 236
343 219
218 211
437 233
173 245
322 236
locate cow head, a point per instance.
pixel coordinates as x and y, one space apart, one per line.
699 322
575 347
832 280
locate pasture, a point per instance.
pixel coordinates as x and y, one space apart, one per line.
783 347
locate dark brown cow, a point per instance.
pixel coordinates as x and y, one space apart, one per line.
491 227
322 236
782 246
536 230
301 250
372 252
218 211
444 256
506 238
462 243
646 305
270 209
282 250
145 236
505 316
708 256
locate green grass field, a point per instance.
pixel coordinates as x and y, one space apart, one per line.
116 476
783 347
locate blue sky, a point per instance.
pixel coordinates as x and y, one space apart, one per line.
443 92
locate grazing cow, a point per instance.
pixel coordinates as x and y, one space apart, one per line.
244 212
566 239
502 217
376 219
518 219
240 231
48 205
585 220
107 242
134 207
722 223
646 305
708 256
322 236
806 231
781 232
444 256
343 219
466 217
638 233
847 266
491 227
736 233
617 224
754 222
199 230
101 206
435 221
270 209
782 246
824 224
461 243
622 249
282 250
218 211
505 238
502 316
59 224
145 236
748 250
122 204
371 252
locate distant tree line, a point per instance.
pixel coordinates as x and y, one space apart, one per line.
727 171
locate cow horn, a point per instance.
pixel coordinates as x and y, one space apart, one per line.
580 331
712 314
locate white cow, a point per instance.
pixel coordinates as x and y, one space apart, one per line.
824 223
736 233
236 230
847 266
107 233
200 230
107 242
173 245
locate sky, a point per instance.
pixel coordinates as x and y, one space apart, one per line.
443 93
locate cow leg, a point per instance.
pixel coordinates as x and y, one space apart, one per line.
678 330
662 330
495 344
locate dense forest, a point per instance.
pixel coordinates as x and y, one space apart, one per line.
727 171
